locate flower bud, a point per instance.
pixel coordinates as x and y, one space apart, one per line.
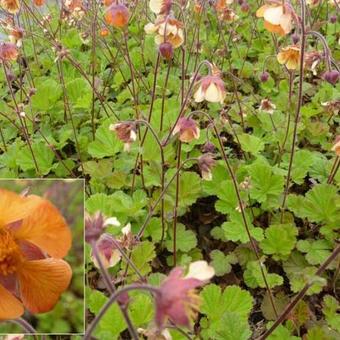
245 7
295 38
208 147
333 19
187 130
205 163
264 76
166 50
331 76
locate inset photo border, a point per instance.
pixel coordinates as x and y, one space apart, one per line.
42 257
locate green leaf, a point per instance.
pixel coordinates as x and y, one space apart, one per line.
233 326
43 155
141 256
331 310
250 143
48 92
266 186
253 276
281 332
222 263
185 239
235 229
106 142
317 251
112 323
141 309
319 204
79 93
279 239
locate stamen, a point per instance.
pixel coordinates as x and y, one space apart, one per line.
9 253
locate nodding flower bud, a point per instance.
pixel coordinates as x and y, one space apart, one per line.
240 2
245 7
333 19
187 129
205 163
208 147
264 76
295 38
126 132
331 76
166 50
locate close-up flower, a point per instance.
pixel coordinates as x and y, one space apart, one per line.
289 56
205 163
166 29
162 7
117 15
177 299
187 130
267 106
277 18
11 6
126 132
210 88
34 238
8 51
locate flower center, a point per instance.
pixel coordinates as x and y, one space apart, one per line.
10 254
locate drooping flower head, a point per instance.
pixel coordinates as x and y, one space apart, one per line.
187 129
177 299
205 163
34 238
117 15
211 88
8 52
289 56
277 18
332 76
166 29
162 7
126 132
267 106
11 6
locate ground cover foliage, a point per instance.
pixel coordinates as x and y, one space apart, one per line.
198 130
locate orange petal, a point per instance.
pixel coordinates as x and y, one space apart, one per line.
274 28
47 229
41 283
10 307
14 207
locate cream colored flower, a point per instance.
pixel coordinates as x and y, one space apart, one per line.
166 30
277 18
267 106
160 6
289 56
200 270
211 88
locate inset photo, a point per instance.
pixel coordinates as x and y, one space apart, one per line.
41 256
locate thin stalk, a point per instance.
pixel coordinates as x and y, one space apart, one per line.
112 290
299 105
334 170
176 202
300 295
111 300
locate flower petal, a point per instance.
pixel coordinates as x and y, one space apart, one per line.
212 94
47 229
42 282
200 270
10 307
14 207
273 15
261 10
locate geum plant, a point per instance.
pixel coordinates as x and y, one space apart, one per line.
208 129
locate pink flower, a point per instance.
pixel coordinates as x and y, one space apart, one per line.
211 89
126 132
177 299
187 129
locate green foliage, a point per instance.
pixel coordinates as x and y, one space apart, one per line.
222 263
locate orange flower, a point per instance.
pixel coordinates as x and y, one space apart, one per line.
290 56
277 18
33 239
8 52
11 6
117 16
39 2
